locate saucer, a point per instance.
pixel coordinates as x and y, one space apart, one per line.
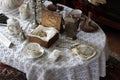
84 51
33 50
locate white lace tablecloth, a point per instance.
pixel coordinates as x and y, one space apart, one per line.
68 67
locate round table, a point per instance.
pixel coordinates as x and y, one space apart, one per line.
68 67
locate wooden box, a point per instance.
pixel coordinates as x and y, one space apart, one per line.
48 40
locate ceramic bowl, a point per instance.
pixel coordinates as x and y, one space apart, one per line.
10 7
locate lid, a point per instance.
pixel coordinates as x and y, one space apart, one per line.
51 19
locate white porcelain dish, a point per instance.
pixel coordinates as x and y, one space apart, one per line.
33 50
84 51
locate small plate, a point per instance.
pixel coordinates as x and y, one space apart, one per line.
83 50
33 50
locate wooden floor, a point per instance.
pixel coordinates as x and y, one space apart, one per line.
113 63
113 39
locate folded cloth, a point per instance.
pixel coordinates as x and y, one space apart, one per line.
3 19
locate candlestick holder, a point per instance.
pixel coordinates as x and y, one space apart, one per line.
37 6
